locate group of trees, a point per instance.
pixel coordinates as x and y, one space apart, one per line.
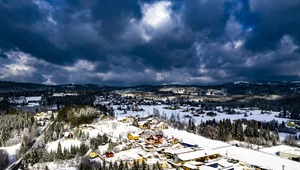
84 99
99 140
14 126
105 110
76 115
86 164
254 132
40 154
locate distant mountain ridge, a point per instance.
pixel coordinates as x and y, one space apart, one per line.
238 87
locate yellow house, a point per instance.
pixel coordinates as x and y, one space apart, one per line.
93 154
128 119
131 136
140 159
291 124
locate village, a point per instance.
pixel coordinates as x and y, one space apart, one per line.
131 130
134 134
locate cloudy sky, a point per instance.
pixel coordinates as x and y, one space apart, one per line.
128 42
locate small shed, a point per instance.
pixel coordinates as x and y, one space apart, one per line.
109 154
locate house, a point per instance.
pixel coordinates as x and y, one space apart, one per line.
128 119
157 139
109 154
145 125
132 136
91 154
135 109
161 126
152 121
84 126
114 140
40 116
291 124
293 154
173 140
199 156
68 135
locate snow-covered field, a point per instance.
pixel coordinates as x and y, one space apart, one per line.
128 154
194 139
256 114
52 146
276 149
113 128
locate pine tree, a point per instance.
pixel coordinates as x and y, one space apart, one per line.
111 166
126 166
158 166
121 165
115 166
59 151
104 165
144 165
240 131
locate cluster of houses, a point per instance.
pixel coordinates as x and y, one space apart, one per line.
170 152
42 117
26 101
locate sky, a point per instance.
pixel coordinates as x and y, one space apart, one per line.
130 42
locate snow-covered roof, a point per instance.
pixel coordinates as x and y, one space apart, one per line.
113 139
34 98
275 149
224 163
88 152
259 158
68 133
196 154
179 151
135 134
292 152
190 166
203 167
160 124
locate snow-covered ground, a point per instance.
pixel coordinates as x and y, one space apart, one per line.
126 155
60 165
12 152
194 139
256 114
52 146
113 128
265 160
276 149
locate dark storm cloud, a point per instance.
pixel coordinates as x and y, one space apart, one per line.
132 42
271 19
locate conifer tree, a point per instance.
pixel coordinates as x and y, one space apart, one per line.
59 154
121 165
